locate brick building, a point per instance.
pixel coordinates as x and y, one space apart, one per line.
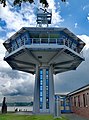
79 100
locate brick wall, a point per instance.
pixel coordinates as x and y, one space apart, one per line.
81 111
80 103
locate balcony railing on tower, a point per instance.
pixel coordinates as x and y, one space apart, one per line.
15 44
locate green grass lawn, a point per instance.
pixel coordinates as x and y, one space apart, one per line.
29 117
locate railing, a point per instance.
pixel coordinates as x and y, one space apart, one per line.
57 41
46 41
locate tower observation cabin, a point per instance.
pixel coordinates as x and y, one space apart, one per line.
43 52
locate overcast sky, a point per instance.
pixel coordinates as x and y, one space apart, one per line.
74 15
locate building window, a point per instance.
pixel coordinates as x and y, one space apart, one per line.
79 101
18 41
41 88
14 45
74 46
67 101
88 99
72 104
62 102
84 100
47 89
74 101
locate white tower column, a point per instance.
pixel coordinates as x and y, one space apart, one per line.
51 90
36 92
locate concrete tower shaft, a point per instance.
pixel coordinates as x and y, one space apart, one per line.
44 90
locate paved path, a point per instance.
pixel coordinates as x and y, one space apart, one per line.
69 116
24 113
74 117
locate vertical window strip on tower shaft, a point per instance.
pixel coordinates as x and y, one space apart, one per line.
41 88
47 89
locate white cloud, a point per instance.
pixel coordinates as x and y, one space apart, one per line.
14 19
16 84
85 38
67 3
26 17
3 64
85 7
1 28
13 82
78 78
76 25
88 18
56 18
10 34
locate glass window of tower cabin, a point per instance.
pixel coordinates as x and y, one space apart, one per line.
18 39
44 37
34 37
25 39
14 45
54 37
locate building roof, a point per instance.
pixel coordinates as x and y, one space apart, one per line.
79 90
61 94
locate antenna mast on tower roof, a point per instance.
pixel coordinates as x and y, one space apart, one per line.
44 17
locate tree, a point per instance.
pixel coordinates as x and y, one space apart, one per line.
4 106
3 2
18 2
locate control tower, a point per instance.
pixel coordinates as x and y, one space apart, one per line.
44 51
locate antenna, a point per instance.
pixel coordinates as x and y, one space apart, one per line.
44 17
